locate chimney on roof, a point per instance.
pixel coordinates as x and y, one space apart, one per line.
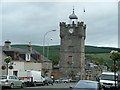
7 44
30 47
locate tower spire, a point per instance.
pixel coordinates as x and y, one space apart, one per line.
73 16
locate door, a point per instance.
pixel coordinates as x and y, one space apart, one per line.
15 73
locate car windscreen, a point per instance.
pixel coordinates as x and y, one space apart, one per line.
3 77
86 84
107 77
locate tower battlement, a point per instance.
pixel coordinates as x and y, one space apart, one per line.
64 24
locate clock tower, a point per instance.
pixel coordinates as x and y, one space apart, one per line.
72 53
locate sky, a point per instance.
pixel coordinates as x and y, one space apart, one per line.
24 22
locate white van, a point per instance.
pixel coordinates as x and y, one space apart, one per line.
107 80
31 77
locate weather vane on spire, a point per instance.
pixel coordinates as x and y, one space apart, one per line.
73 9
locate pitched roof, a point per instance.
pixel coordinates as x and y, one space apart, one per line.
44 59
24 51
20 50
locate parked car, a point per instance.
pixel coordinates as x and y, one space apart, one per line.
86 85
0 85
107 80
62 80
48 80
11 81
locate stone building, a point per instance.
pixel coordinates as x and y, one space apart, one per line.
56 72
72 55
46 67
24 59
92 70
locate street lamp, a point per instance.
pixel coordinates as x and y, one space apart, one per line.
44 40
48 48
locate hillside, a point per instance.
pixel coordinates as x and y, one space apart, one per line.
97 54
94 49
88 49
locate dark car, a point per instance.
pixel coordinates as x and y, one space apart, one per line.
86 85
48 80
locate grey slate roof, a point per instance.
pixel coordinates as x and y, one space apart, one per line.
20 50
24 51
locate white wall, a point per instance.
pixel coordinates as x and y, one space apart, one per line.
22 66
33 66
17 66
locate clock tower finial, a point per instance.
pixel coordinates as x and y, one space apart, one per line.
73 9
73 16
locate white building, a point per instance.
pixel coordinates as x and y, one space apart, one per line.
22 59
23 66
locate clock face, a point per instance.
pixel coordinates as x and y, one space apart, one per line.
70 30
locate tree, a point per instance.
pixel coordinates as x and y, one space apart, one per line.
7 60
115 56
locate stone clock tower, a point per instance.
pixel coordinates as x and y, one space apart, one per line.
72 54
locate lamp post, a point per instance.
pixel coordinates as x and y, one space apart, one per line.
44 40
48 48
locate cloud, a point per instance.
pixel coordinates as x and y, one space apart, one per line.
29 21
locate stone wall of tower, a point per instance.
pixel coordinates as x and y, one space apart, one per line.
72 57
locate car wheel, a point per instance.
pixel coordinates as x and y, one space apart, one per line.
34 84
22 85
12 85
43 84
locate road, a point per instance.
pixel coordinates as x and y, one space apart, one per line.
56 86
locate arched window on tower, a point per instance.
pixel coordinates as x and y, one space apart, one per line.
70 59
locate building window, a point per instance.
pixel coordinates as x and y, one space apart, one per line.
27 56
70 59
